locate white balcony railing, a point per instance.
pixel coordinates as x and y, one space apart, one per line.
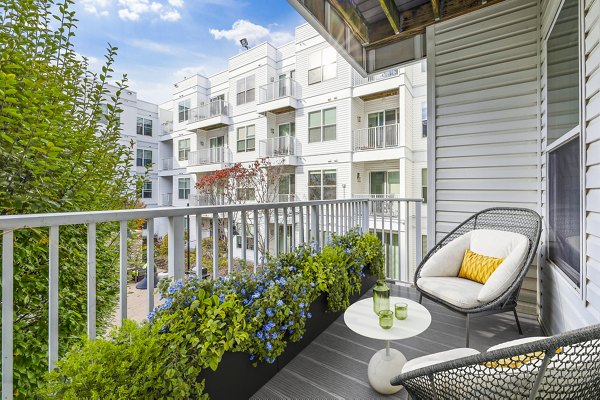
279 146
166 164
213 155
166 128
381 207
286 87
358 80
312 221
213 109
166 199
377 137
286 198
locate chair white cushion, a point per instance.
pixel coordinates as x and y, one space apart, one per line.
495 243
436 358
508 271
516 342
457 291
447 260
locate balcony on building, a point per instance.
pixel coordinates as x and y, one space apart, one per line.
284 149
213 115
278 97
166 128
166 199
206 160
379 85
386 139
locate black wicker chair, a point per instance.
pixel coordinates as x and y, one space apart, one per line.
519 220
565 366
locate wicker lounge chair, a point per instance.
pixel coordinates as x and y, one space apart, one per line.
565 366
511 233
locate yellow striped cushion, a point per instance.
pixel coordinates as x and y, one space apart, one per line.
517 361
477 267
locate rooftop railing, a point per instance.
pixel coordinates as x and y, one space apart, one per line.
213 109
279 146
285 87
301 222
213 155
375 138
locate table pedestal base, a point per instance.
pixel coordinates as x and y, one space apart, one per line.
384 365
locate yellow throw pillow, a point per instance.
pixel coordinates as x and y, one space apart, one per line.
477 267
517 361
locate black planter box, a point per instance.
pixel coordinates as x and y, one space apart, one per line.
237 378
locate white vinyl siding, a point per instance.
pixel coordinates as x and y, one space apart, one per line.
483 105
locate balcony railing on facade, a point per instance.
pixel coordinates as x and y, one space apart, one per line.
215 108
358 80
280 146
166 199
376 138
300 222
285 87
166 164
166 128
381 207
213 155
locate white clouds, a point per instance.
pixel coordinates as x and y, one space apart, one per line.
134 10
171 16
176 3
254 33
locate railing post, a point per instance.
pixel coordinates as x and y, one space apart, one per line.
150 263
419 238
215 237
176 248
91 281
229 242
365 216
123 270
7 313
199 265
314 223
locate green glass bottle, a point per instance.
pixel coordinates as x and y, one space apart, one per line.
381 296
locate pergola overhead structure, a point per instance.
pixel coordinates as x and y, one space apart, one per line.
374 35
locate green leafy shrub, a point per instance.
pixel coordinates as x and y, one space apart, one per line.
257 313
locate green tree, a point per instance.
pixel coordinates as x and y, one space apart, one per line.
59 152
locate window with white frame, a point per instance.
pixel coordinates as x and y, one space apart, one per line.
424 118
245 90
246 138
322 125
322 185
183 188
144 126
184 110
564 148
183 147
143 158
322 65
146 190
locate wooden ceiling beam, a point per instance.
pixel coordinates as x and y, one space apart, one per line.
435 5
392 14
353 18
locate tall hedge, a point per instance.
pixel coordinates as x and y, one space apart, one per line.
59 152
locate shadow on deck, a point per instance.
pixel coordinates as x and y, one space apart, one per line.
334 365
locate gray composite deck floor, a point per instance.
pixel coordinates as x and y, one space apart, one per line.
334 365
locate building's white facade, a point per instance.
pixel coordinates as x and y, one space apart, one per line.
306 106
140 129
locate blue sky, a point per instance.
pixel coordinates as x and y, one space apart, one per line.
161 41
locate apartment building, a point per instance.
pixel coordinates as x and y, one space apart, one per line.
139 129
339 135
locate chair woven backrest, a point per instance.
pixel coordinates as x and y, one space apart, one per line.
519 220
565 366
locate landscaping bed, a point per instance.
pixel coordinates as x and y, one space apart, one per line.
224 337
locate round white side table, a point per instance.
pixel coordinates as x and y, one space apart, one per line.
386 363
